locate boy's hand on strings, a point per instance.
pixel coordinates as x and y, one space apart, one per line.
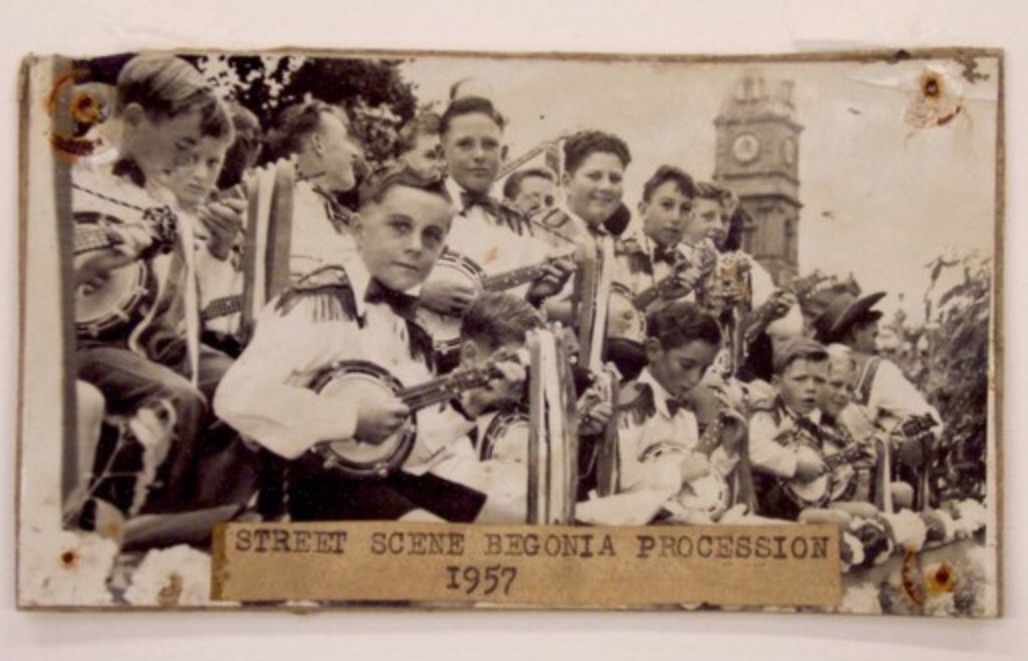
444 297
555 275
224 220
379 416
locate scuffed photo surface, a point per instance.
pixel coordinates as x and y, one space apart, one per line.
812 187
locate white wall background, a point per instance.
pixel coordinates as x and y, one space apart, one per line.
725 26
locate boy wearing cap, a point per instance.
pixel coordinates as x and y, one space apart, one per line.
786 438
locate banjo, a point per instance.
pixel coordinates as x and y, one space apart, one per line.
125 295
709 496
831 485
455 268
346 380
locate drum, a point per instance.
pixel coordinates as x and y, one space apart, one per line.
352 457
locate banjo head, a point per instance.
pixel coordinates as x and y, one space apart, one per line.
708 495
452 268
349 381
122 300
624 320
506 438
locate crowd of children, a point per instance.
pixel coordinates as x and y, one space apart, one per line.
738 399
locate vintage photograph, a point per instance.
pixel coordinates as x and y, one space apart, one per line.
588 291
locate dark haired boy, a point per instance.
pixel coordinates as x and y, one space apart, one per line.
492 233
418 147
652 254
658 433
362 309
317 135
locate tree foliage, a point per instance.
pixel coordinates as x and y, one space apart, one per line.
372 91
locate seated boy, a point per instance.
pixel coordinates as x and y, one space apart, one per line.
362 310
786 437
659 441
174 133
492 453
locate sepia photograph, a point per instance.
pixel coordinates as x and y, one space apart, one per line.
308 329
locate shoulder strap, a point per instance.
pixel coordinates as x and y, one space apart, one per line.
867 379
330 287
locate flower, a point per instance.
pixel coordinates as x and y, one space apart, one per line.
64 568
969 515
908 530
861 599
178 576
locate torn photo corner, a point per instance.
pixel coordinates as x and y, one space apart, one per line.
342 329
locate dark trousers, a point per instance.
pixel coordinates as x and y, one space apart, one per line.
207 463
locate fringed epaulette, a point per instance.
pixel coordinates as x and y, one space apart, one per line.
514 218
631 250
330 291
636 403
422 347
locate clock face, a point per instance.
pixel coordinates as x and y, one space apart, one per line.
746 148
789 151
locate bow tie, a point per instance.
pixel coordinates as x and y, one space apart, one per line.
404 305
469 199
664 254
674 406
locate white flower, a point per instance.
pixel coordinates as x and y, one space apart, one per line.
969 515
940 605
178 576
65 568
861 599
908 529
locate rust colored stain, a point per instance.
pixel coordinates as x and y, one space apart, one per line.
910 578
942 579
85 109
69 559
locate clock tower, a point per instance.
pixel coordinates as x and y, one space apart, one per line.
757 158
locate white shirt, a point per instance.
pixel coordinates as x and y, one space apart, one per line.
651 449
265 395
892 399
766 453
315 239
489 241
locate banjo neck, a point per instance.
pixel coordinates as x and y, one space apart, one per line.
447 387
515 277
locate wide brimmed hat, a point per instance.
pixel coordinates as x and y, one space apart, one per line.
843 312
